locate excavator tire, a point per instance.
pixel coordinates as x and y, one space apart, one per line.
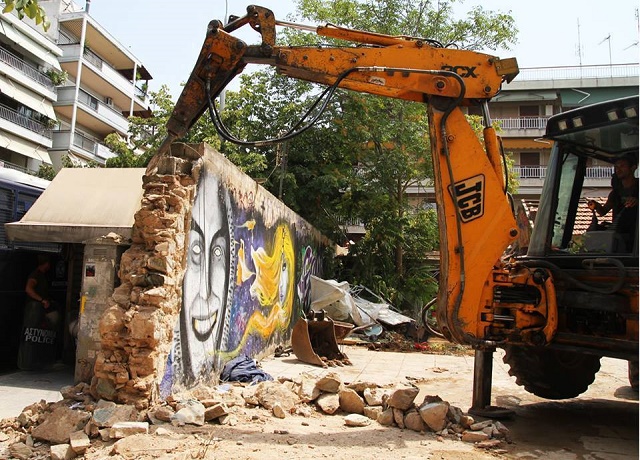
551 374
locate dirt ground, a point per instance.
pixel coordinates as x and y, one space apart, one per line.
601 424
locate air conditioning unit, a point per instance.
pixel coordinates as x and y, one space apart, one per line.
108 101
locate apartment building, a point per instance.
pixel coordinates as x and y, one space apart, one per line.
524 106
27 94
522 109
82 82
106 83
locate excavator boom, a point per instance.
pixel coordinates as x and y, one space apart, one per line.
475 217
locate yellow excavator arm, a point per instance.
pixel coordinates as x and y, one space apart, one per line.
475 217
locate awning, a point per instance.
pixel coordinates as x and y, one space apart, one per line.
526 96
24 147
22 40
82 204
26 97
526 144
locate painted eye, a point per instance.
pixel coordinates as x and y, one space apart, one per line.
217 252
196 252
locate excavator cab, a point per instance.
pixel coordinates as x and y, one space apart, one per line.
582 155
591 258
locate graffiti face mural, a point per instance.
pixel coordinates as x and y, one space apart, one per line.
248 263
207 278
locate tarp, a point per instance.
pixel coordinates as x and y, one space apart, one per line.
343 303
82 204
334 298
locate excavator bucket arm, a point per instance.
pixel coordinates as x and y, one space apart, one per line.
475 216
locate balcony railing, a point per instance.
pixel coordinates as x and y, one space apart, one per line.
140 92
523 123
9 165
93 58
72 49
579 72
540 172
599 172
61 140
26 122
26 69
110 114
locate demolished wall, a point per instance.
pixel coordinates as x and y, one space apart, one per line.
210 238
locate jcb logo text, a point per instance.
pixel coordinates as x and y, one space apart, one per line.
469 194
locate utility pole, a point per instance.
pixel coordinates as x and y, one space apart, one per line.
579 44
608 38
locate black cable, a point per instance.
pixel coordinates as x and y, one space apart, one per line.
327 94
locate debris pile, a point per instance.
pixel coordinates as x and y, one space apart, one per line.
70 427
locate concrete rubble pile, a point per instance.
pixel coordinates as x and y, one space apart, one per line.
72 426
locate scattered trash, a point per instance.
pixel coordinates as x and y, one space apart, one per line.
243 369
281 351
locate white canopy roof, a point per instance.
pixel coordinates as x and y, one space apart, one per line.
81 204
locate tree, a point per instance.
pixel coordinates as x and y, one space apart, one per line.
364 152
389 139
29 8
306 172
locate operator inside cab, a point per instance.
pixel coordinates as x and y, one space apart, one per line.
622 200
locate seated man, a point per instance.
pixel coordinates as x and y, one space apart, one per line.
623 199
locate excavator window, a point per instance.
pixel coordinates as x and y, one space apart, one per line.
568 222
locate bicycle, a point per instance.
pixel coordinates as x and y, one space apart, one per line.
429 320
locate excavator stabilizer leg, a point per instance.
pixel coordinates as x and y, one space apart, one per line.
482 376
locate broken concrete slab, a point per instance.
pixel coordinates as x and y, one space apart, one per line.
57 425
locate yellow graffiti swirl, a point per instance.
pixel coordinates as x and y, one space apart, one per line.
273 287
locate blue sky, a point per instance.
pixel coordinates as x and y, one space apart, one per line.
167 35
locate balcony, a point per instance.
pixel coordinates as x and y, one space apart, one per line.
86 146
600 174
523 126
27 123
579 72
26 69
93 114
96 72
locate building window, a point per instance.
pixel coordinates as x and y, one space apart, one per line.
530 165
529 111
529 115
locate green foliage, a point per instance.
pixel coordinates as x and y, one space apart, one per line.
31 9
125 157
479 30
46 172
388 142
309 170
58 77
67 162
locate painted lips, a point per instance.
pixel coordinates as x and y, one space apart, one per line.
203 325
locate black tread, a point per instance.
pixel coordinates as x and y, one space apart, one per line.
551 374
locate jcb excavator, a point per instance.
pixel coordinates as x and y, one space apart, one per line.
555 310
